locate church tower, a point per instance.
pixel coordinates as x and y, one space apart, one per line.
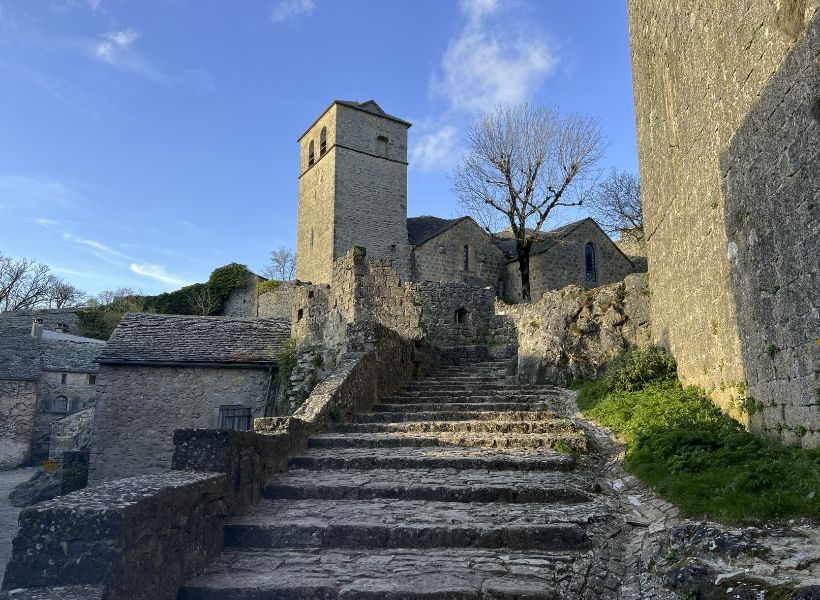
352 189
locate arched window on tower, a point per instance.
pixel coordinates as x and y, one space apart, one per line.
311 154
381 145
590 264
323 141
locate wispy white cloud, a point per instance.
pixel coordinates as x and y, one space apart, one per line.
285 10
490 62
39 193
434 147
158 273
99 248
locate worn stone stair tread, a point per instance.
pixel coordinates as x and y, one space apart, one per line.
386 523
543 425
521 459
70 592
445 574
448 485
575 441
474 396
515 414
409 407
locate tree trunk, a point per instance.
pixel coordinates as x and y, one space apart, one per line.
524 269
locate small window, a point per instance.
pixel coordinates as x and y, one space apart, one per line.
381 145
63 378
48 405
238 418
61 404
466 258
323 141
92 379
462 315
311 154
311 239
74 406
590 266
299 314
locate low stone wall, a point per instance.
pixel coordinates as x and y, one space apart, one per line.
71 433
573 332
18 407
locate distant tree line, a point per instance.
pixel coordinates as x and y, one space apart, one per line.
26 284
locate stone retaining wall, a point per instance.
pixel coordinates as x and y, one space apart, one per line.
573 332
18 407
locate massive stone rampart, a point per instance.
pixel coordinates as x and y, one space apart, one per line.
726 101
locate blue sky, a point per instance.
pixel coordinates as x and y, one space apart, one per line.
145 143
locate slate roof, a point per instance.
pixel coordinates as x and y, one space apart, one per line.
368 106
546 239
423 229
19 355
153 339
70 353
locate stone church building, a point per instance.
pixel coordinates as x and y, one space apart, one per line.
353 192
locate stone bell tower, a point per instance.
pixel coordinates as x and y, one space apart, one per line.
352 189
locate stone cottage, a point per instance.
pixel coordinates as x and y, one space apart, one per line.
160 373
353 192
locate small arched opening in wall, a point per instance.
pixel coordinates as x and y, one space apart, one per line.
462 316
323 141
311 154
61 404
590 264
381 145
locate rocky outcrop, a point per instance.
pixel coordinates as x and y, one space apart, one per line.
572 333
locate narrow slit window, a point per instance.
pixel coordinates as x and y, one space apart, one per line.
466 258
64 378
311 154
323 141
381 145
590 264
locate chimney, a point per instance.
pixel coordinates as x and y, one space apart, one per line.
62 327
37 329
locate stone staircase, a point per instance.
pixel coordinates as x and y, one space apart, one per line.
451 488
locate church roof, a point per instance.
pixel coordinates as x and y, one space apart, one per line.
545 241
424 228
153 339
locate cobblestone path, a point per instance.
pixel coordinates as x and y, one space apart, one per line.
459 486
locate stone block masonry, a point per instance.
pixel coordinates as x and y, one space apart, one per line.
729 170
18 407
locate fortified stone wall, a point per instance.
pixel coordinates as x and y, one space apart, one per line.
725 82
277 302
573 332
442 257
563 264
139 408
366 290
241 301
18 404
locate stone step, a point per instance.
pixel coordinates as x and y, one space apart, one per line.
444 407
476 396
573 441
412 524
538 425
401 574
459 414
433 457
497 386
438 485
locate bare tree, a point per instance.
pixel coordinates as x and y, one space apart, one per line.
111 296
64 295
616 205
202 300
522 162
24 284
282 264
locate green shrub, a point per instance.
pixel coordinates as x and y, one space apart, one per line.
634 369
680 444
267 286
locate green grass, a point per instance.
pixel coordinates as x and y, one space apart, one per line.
684 448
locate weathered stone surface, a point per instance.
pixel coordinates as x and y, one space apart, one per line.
573 333
41 486
727 142
72 592
18 407
8 513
